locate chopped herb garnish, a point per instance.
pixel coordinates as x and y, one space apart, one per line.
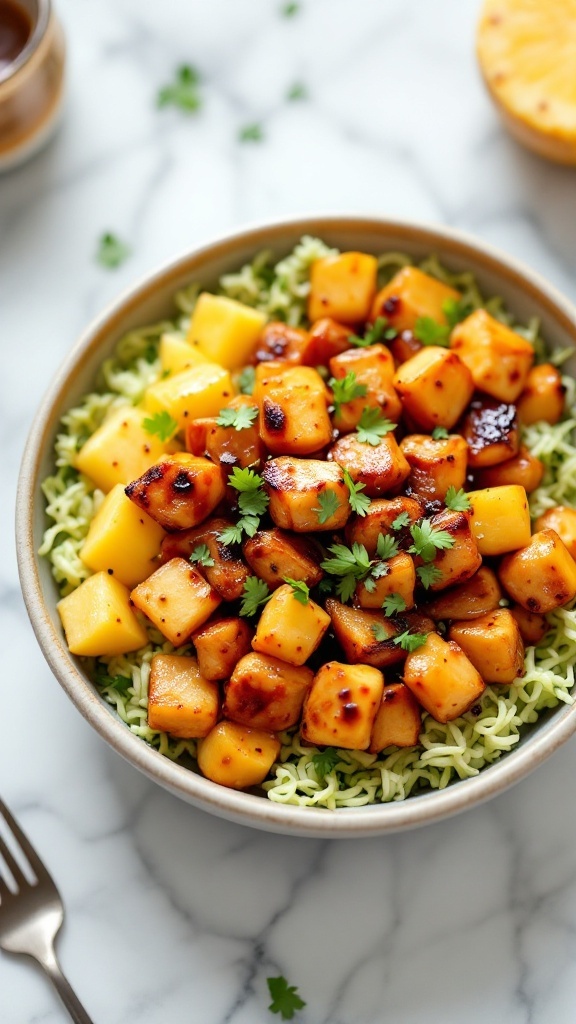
439 433
119 683
240 419
329 505
430 332
298 91
251 133
254 594
456 310
401 521
289 10
300 590
285 998
427 540
346 390
386 546
379 633
360 503
428 575
201 555
325 761
393 604
410 641
380 330
183 92
373 427
252 502
162 424
247 380
350 564
111 251
458 501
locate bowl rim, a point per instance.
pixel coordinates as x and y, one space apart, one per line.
246 808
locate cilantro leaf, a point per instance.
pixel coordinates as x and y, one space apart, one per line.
430 332
233 534
373 427
427 540
379 633
325 761
393 604
251 133
439 433
244 479
255 594
456 310
183 92
162 424
386 546
360 503
111 251
328 505
252 503
298 91
201 555
240 419
346 389
119 683
379 570
410 641
289 10
247 380
379 330
285 998
346 587
300 590
347 560
401 521
458 501
428 574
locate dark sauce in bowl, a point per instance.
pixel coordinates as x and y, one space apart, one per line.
15 31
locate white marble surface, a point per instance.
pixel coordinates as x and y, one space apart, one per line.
171 914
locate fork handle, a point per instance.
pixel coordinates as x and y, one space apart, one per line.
49 962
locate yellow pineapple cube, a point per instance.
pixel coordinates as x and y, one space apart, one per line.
180 700
201 391
98 620
543 397
442 678
226 330
493 644
498 359
236 756
340 709
542 575
435 387
119 450
288 629
563 520
177 354
412 294
500 518
122 540
342 287
266 693
177 599
398 721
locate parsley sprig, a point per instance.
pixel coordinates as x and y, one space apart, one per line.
456 310
252 503
201 555
240 419
119 683
346 389
183 92
300 590
285 998
427 541
439 433
379 331
353 565
112 251
359 503
458 501
410 641
325 761
402 520
328 505
162 424
373 426
430 332
247 380
393 604
255 594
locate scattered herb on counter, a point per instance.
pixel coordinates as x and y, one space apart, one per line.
183 92
111 252
298 91
289 10
251 133
285 998
162 424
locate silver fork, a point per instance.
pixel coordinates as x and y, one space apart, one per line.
31 913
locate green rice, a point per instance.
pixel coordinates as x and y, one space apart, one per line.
456 750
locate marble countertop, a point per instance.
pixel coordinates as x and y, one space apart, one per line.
173 914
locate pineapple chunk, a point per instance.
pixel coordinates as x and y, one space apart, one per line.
368 636
226 330
266 693
288 629
294 416
380 468
180 700
295 487
238 757
463 559
490 430
272 555
201 391
340 709
435 465
228 574
475 596
327 338
379 518
543 396
498 359
122 540
533 628
279 341
563 520
374 368
542 575
435 387
176 354
400 579
500 519
493 644
398 720
120 450
442 678
177 599
98 620
179 491
523 469
342 287
220 645
412 294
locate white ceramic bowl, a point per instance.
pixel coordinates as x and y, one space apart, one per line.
150 300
